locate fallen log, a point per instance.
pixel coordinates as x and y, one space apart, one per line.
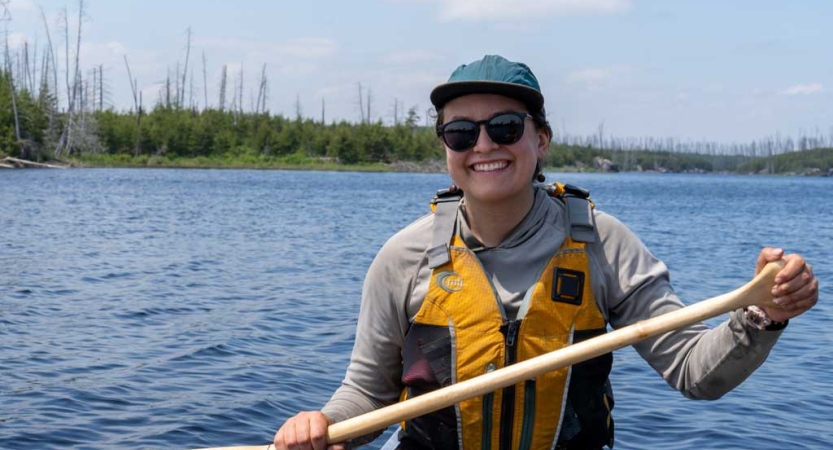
17 163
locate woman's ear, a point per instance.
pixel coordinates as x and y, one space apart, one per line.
544 138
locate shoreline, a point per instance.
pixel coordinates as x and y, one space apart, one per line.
201 162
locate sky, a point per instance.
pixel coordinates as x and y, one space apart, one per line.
725 71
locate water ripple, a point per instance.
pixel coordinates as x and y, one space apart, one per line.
180 309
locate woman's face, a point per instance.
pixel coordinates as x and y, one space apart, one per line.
490 172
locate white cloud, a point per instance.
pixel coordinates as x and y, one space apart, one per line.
803 89
16 41
309 47
25 6
598 77
111 52
306 48
503 10
412 57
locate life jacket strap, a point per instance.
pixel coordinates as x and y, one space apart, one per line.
580 214
579 209
445 206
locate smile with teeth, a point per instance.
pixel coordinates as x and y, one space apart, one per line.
490 166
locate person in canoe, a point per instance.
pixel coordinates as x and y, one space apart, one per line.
506 268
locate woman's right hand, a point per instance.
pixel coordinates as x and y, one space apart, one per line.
305 431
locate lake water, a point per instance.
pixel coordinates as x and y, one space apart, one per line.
195 308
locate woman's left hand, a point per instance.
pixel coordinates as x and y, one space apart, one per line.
796 289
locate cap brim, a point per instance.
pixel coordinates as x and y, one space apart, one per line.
444 93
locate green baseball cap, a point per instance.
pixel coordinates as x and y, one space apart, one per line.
491 75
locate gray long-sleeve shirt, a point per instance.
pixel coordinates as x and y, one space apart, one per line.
629 283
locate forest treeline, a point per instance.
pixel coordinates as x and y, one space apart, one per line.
52 113
167 135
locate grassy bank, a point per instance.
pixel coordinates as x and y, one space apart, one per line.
292 162
817 162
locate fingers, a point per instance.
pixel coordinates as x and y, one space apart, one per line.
793 276
305 431
768 255
796 287
790 310
794 266
801 291
318 433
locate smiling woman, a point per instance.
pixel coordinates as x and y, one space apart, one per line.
506 270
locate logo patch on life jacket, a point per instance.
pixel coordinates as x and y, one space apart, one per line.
567 286
449 281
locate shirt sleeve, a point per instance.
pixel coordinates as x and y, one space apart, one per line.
701 363
373 376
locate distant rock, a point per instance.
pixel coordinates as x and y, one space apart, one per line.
604 165
430 166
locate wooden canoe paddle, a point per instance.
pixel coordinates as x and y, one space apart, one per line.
755 292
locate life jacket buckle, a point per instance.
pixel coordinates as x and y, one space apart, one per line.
577 191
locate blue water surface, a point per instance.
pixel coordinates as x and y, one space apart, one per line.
196 308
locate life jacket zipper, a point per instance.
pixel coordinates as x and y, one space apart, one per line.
507 408
488 405
488 400
529 415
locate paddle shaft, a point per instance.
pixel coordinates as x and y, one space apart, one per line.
755 292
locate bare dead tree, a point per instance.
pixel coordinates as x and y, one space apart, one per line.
191 91
138 127
322 113
240 104
361 103
233 107
65 143
25 73
43 82
51 52
298 111
137 95
181 99
35 88
830 139
132 84
204 81
262 92
8 69
177 88
5 14
83 98
95 87
223 80
101 87
368 104
168 89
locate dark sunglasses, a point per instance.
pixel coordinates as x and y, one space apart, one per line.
503 129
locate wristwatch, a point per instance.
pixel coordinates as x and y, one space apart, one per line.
758 318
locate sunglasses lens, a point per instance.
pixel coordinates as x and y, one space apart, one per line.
503 129
460 135
506 128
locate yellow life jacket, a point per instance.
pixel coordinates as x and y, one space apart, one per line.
462 331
